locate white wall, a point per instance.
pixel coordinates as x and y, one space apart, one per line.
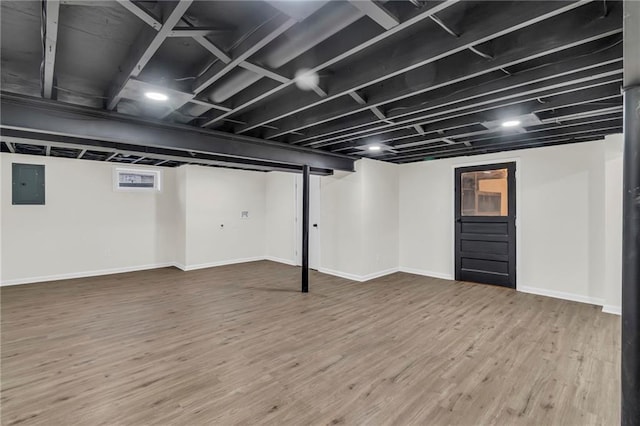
280 217
563 199
215 232
613 225
380 219
86 227
359 235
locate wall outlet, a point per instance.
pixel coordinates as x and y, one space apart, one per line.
244 214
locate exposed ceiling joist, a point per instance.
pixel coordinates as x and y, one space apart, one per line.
527 82
144 15
144 48
25 114
430 145
209 105
195 31
604 128
263 71
494 20
217 52
559 97
153 156
52 13
454 70
419 17
252 44
444 26
377 12
588 137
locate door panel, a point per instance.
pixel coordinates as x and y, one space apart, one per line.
485 224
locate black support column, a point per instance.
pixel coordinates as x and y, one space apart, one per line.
631 219
305 228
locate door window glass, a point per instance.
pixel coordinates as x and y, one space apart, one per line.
484 193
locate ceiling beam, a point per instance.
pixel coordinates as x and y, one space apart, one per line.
529 85
163 155
146 17
209 104
581 29
460 148
26 114
144 48
465 134
477 137
377 12
498 145
539 83
52 13
265 72
196 31
561 140
252 44
368 42
467 123
492 20
217 52
444 26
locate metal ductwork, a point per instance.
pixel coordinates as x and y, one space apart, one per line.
299 39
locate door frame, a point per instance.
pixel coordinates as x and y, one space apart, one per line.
452 214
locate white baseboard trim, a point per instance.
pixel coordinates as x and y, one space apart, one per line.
219 263
426 273
612 309
345 275
379 274
280 260
85 274
561 295
358 278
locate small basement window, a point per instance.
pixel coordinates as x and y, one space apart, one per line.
136 180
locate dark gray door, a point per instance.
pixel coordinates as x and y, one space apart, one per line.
485 215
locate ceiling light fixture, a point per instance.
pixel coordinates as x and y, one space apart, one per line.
511 123
156 96
306 79
374 148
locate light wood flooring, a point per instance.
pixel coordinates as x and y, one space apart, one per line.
240 345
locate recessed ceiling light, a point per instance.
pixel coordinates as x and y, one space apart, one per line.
511 123
156 96
374 148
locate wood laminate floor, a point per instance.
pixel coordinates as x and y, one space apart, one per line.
239 345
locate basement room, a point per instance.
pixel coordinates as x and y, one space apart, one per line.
320 212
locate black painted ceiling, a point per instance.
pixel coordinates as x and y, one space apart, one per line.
419 79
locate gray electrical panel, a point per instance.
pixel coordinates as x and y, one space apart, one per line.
28 183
